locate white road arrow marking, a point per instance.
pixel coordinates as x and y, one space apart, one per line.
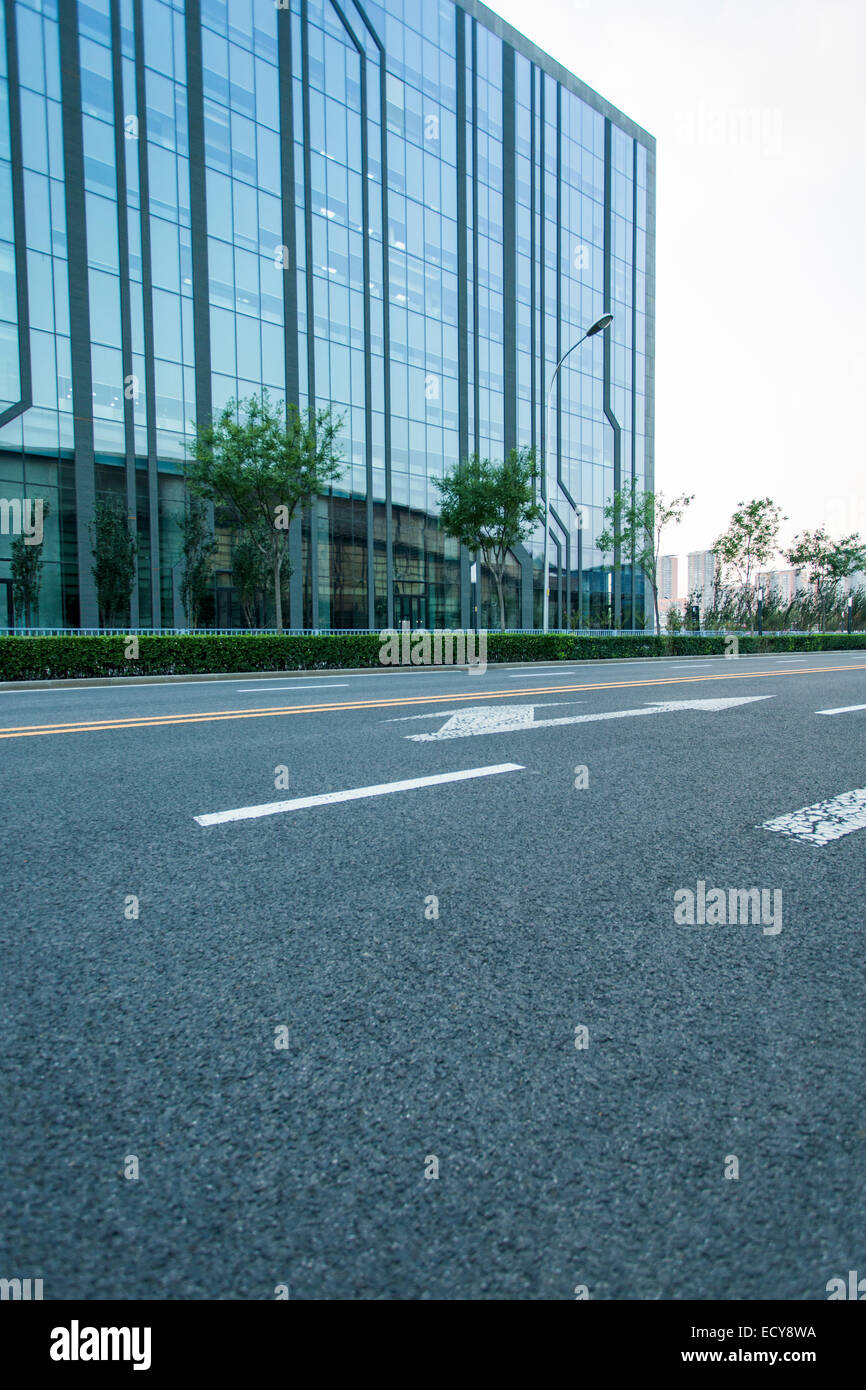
825 821
510 719
302 803
437 714
843 709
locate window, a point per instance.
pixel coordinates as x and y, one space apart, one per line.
104 308
101 219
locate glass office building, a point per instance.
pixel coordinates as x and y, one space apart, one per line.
403 209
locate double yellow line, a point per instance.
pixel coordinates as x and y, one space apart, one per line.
93 726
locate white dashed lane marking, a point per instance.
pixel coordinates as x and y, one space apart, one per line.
267 689
303 803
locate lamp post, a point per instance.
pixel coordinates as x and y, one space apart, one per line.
579 515
598 327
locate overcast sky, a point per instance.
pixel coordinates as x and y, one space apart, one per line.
758 108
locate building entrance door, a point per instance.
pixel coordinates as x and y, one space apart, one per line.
411 609
223 608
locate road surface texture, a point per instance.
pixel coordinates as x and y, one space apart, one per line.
453 1038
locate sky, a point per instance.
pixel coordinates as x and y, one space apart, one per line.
758 108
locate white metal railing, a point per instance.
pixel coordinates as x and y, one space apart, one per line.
367 631
300 632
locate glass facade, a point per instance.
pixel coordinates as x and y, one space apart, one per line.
402 209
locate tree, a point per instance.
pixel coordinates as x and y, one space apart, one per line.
751 540
827 563
26 567
692 611
261 462
490 507
729 607
114 549
250 574
198 547
775 610
858 609
674 619
636 521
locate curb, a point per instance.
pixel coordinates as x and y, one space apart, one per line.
192 678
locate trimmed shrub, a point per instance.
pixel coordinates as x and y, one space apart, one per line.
67 658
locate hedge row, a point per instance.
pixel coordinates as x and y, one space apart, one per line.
515 646
64 658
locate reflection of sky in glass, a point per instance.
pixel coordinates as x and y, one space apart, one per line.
558 235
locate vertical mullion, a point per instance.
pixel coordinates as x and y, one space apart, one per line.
79 305
125 306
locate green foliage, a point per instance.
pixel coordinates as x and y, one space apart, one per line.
66 658
114 550
674 620
751 540
491 507
636 521
813 609
58 658
261 462
692 612
26 571
827 563
858 609
198 547
251 574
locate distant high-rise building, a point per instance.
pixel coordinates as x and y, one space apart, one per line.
669 577
784 583
702 576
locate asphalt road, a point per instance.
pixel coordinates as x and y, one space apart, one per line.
410 1037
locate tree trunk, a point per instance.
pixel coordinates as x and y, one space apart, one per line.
278 595
655 588
497 574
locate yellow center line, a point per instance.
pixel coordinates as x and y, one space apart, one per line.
155 721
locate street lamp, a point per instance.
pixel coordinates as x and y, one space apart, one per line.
598 327
579 515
